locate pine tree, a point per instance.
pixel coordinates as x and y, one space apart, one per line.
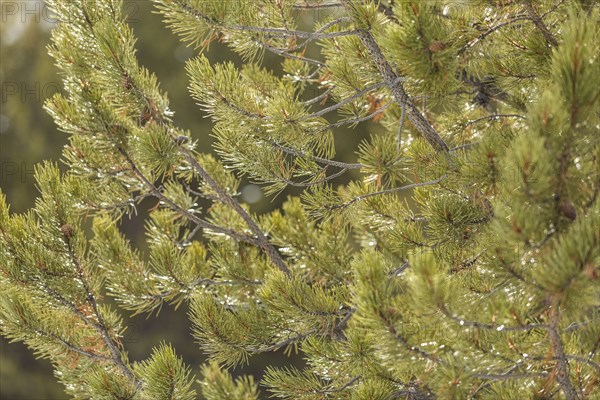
460 259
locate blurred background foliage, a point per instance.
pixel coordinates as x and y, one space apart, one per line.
28 136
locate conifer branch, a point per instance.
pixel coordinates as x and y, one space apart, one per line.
493 327
288 54
491 30
387 191
539 23
344 386
321 160
189 215
224 197
488 213
352 121
313 183
562 366
290 340
101 327
493 117
342 103
318 98
393 81
312 6
318 31
71 347
267 31
260 238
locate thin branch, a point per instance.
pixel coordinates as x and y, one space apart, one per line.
188 239
583 360
552 9
490 31
562 366
282 14
72 347
539 23
342 103
313 183
344 386
102 328
509 376
308 6
387 11
267 31
393 82
577 325
333 163
225 198
493 327
285 342
118 206
353 120
189 215
494 117
287 54
462 146
408 346
319 31
318 98
399 140
344 321
400 269
387 191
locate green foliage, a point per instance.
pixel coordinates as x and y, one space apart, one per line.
218 384
432 273
166 376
